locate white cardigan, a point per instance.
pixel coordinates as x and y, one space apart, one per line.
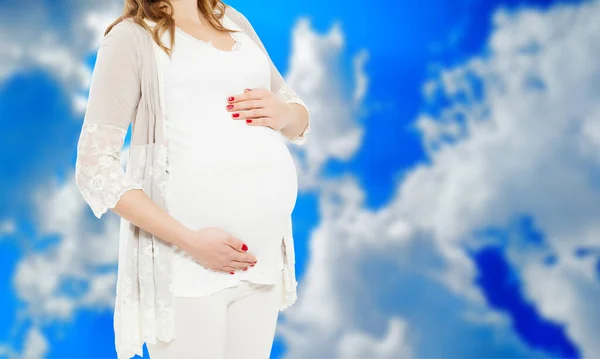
127 88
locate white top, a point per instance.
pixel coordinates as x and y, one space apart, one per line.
223 172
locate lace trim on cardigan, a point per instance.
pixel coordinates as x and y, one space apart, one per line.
287 94
98 172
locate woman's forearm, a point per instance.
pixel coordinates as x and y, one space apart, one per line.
298 122
136 207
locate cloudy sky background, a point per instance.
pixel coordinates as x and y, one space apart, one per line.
449 200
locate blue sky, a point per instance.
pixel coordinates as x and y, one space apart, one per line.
487 229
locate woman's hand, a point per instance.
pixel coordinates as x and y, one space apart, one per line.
218 250
259 107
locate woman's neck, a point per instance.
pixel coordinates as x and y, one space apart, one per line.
187 10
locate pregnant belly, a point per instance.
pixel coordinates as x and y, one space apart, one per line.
245 183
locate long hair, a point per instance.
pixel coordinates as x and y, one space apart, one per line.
161 12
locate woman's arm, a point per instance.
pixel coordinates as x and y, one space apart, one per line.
114 95
136 207
298 126
300 123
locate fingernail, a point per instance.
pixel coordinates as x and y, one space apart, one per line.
236 115
229 107
246 90
245 268
244 247
248 121
251 265
231 272
230 98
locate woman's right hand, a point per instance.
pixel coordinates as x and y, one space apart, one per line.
216 249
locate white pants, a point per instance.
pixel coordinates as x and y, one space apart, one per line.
234 323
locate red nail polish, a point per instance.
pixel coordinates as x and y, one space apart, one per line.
244 247
230 99
248 121
246 268
251 265
236 115
229 107
231 272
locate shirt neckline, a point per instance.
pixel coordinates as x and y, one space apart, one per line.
236 41
234 35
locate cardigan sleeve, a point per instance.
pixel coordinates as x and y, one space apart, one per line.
114 95
278 84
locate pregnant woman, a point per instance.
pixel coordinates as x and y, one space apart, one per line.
221 112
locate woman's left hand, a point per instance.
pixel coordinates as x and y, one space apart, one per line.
259 107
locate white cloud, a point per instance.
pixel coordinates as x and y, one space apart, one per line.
7 226
76 272
36 344
364 345
317 74
534 152
77 261
519 138
31 37
376 276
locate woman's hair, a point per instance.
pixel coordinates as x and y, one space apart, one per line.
161 12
